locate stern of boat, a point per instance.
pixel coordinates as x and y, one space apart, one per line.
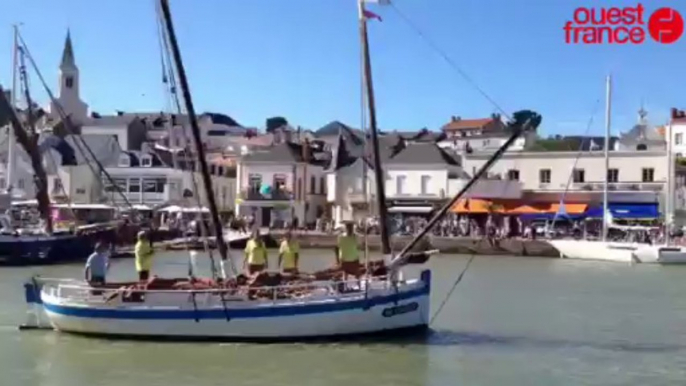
35 314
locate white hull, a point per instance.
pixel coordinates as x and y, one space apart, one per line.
619 252
165 314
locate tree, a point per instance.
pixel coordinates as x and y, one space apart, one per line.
274 123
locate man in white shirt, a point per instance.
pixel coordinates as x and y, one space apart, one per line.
97 265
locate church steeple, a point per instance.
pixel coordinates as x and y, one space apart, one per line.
68 61
69 83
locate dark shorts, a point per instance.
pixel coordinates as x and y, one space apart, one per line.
96 281
254 268
351 267
143 275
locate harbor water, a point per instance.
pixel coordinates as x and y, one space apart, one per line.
511 321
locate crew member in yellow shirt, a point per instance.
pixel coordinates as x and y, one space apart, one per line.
144 253
255 254
347 255
289 254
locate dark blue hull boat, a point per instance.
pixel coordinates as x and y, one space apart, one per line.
43 249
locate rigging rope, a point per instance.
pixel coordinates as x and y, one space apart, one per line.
452 289
170 78
580 150
447 58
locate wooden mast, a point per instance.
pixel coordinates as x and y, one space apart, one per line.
30 144
378 172
195 129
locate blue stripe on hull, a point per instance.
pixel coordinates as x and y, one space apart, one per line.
220 313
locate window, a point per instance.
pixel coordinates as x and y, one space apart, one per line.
579 175
120 182
213 170
80 191
612 175
642 147
254 182
20 183
299 188
124 160
155 185
544 176
426 181
513 175
678 138
57 187
400 184
146 161
2 183
69 82
648 175
322 185
279 181
134 185
220 171
313 183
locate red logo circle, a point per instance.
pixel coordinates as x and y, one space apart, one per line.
666 25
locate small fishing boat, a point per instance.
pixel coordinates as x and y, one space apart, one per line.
267 306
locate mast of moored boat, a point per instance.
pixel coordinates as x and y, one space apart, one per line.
376 157
11 141
608 114
195 129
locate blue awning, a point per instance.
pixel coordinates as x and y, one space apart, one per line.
550 216
627 211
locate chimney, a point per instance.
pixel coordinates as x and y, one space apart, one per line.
306 150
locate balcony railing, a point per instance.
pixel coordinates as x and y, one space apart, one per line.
273 195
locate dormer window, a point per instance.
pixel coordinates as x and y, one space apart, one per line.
146 161
69 82
124 160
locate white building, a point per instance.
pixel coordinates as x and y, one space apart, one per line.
285 183
482 134
419 178
144 178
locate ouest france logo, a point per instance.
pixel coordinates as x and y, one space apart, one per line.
623 25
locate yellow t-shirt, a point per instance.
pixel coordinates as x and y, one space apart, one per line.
257 253
288 250
144 254
347 248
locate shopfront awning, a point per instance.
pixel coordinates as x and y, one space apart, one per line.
410 209
627 211
476 206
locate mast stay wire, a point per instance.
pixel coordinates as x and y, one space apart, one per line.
25 85
447 58
580 150
169 77
67 124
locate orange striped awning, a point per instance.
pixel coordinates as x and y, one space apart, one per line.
476 205
569 208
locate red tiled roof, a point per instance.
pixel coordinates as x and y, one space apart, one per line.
461 124
678 116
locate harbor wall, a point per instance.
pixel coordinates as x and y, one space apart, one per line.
462 245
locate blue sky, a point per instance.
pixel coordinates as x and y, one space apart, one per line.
252 59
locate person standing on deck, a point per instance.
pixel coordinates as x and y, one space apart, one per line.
347 255
97 265
144 253
256 258
289 254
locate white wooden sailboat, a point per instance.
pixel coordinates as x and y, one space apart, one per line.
300 309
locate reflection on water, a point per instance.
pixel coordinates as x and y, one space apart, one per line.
511 321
